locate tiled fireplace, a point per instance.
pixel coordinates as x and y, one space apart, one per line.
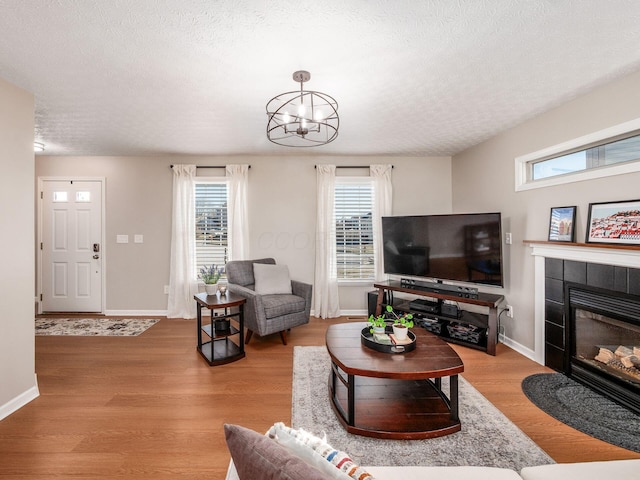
588 317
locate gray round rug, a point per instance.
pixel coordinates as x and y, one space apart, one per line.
584 409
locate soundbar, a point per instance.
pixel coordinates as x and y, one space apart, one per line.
444 288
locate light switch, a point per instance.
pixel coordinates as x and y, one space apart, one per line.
122 238
138 238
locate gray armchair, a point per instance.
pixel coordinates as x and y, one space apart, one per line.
267 314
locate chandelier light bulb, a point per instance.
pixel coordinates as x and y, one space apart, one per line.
286 118
318 116
302 110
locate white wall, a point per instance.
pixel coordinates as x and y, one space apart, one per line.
483 180
17 346
282 213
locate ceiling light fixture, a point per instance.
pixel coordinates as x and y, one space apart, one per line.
302 119
38 147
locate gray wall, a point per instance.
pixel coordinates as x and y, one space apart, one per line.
282 203
17 346
483 179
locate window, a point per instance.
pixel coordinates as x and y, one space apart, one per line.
620 151
613 151
353 207
212 234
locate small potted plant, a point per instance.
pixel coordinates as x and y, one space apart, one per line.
210 276
401 326
378 324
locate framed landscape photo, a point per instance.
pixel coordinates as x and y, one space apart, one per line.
561 224
614 222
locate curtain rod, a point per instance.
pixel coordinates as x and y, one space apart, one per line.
351 166
209 166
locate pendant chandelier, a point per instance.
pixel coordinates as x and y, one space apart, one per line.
302 118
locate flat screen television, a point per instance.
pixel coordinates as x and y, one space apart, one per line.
457 247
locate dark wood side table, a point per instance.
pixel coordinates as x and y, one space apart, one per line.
221 347
397 396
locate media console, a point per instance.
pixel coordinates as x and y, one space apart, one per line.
455 325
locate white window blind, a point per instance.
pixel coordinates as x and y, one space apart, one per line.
354 229
212 233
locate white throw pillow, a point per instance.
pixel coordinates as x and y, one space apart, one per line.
271 279
318 453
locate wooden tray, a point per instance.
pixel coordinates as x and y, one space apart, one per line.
368 341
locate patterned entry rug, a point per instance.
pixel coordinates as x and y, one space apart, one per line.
487 438
584 409
96 327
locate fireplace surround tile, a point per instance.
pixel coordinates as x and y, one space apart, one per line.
634 281
575 271
620 282
553 268
601 276
554 290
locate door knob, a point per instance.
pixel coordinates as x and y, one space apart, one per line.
96 257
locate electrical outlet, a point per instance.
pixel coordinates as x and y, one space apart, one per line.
508 239
509 311
166 289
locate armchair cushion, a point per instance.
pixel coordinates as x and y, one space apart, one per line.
279 305
271 279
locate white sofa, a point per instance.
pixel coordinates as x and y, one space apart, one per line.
287 454
615 469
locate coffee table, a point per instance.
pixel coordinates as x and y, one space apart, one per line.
396 396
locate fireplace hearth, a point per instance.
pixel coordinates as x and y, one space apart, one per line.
603 341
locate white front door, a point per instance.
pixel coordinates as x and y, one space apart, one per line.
71 246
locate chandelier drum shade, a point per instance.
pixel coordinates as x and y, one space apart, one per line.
302 118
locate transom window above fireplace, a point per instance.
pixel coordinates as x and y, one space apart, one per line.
613 151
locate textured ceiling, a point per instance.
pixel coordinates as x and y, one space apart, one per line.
412 77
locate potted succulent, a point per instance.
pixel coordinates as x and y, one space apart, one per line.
210 276
401 323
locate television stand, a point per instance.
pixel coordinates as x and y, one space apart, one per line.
475 330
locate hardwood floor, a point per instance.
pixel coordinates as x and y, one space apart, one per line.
150 407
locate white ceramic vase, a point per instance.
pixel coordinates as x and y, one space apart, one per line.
211 288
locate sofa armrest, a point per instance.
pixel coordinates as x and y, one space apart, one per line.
615 469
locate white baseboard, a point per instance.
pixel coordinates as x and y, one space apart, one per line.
521 349
354 313
20 401
135 313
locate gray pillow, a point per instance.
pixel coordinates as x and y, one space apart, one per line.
257 457
271 279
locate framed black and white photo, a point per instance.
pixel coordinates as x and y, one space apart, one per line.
614 222
561 224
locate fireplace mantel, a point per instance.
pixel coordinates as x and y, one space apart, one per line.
606 254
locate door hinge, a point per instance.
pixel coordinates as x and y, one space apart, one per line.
41 195
41 246
40 297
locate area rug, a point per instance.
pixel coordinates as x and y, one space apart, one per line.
487 437
584 409
96 327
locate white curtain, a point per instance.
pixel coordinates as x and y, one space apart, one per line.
182 277
237 211
382 198
326 303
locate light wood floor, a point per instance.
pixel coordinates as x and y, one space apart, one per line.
150 407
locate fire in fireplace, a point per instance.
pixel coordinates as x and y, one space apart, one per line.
604 336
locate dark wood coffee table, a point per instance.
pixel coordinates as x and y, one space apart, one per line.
397 396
